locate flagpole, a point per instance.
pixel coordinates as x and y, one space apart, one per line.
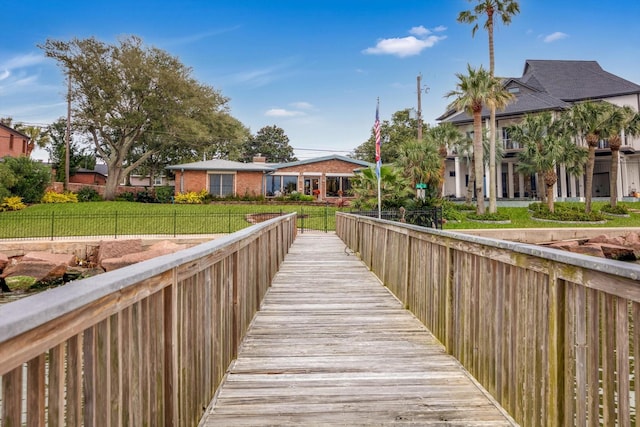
376 130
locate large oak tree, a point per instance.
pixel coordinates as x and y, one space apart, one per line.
129 97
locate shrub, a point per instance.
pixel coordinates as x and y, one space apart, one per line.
564 212
88 194
300 197
146 197
617 210
53 197
13 203
487 216
127 196
191 197
164 194
31 178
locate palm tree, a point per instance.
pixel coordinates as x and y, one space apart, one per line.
446 136
621 119
395 188
473 91
505 9
37 136
420 162
545 147
587 121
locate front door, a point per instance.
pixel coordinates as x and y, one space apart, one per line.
312 186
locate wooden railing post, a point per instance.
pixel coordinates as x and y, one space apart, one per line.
170 374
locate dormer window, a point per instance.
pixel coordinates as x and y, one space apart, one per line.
513 89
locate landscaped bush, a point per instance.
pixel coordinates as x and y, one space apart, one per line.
164 194
88 194
126 197
145 197
299 197
564 212
487 216
617 210
53 197
13 203
191 197
30 178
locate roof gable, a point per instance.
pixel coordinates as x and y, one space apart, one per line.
322 159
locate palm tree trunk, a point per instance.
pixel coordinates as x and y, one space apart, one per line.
479 164
493 187
613 178
550 177
472 180
588 185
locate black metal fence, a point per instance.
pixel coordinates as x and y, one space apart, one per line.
117 224
431 218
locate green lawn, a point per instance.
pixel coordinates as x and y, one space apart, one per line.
521 218
130 218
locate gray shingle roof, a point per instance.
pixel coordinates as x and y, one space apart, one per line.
554 85
224 165
575 80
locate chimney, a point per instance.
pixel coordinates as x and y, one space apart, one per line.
259 159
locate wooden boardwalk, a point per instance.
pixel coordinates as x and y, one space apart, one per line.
332 346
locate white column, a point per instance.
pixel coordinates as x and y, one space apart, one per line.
562 180
510 180
581 186
521 184
626 188
487 181
458 177
499 179
573 186
620 182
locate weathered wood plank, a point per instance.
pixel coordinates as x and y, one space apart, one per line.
330 345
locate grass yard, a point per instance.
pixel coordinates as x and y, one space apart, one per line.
130 218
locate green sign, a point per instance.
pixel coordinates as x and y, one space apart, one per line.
421 186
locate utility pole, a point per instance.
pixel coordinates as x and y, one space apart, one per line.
419 108
67 137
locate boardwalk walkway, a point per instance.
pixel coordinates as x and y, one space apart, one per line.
331 346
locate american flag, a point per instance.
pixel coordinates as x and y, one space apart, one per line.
376 131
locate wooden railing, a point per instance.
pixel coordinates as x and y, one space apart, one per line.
553 336
144 345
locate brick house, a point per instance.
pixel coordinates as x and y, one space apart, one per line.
327 178
12 142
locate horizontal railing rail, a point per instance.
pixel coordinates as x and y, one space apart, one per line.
143 345
553 336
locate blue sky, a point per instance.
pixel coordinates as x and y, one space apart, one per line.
312 67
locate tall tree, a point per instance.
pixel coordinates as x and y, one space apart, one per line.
473 91
393 133
621 119
505 9
121 92
545 147
272 143
79 156
588 122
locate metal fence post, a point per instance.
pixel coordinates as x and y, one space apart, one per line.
115 226
175 222
326 216
52 227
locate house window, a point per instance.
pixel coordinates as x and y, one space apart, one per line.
338 186
157 180
10 142
514 89
452 173
221 184
507 142
277 185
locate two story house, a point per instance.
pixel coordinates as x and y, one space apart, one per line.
552 85
12 142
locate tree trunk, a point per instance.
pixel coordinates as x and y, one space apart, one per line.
493 184
113 179
591 161
477 156
614 144
550 178
472 180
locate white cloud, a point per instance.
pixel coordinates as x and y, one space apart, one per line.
22 61
402 47
440 28
302 105
419 31
281 112
555 36
5 74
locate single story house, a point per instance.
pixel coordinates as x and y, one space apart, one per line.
327 178
552 85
